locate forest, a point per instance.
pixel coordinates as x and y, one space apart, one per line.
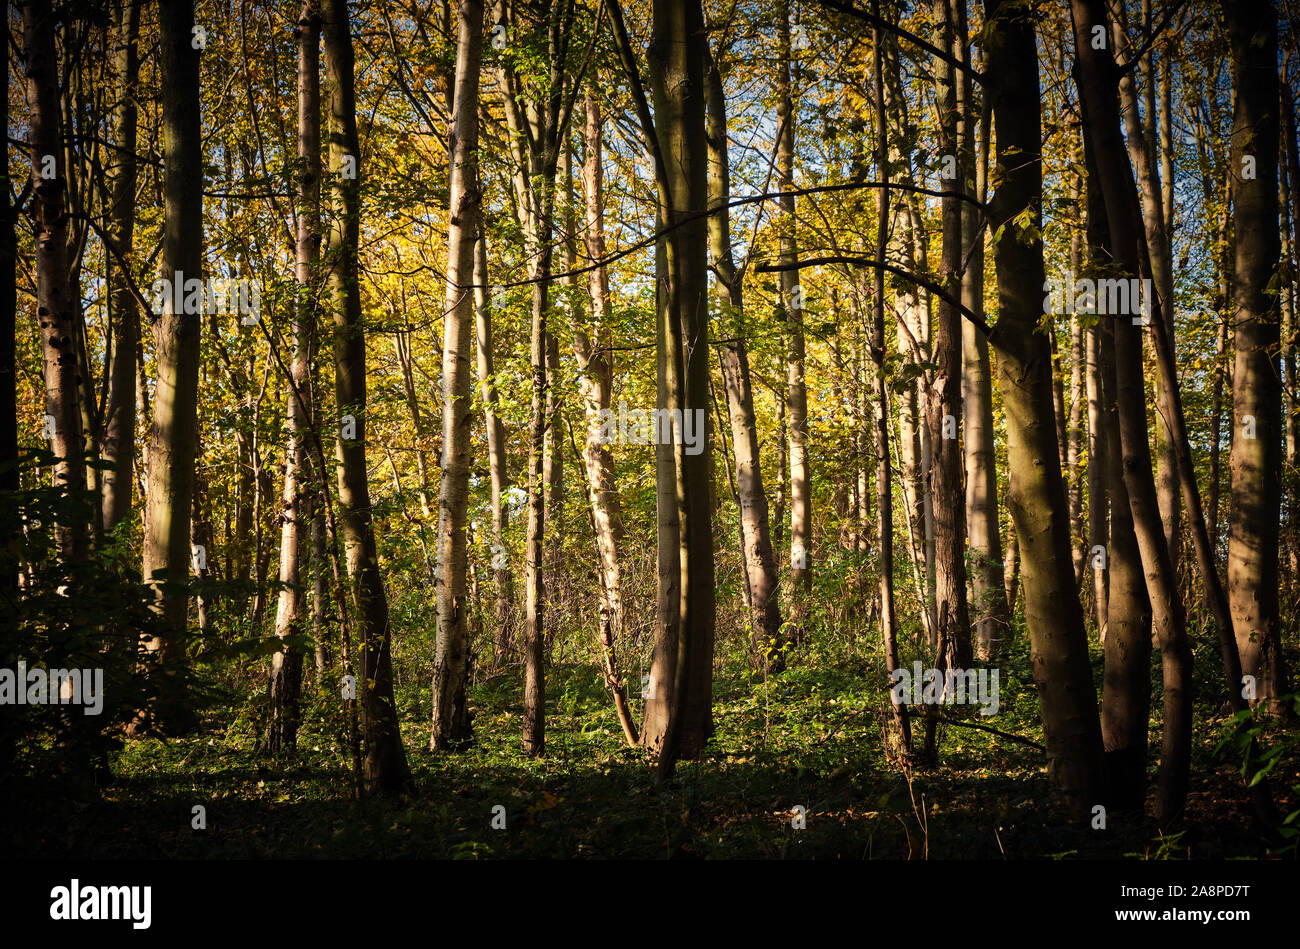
650 429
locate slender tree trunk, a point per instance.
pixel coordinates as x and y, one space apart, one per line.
11 527
503 576
318 590
385 759
944 416
884 480
56 306
118 445
756 543
1255 463
680 720
1036 492
1097 81
1098 480
792 307
1074 425
286 665
451 725
1142 153
173 437
991 618
1291 339
1126 679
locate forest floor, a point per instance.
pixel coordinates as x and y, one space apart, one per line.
805 739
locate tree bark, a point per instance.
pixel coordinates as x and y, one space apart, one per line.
117 448
944 415
451 725
286 665
1255 462
991 618
385 759
792 309
173 436
502 574
1097 81
680 718
755 531
1036 492
57 307
884 480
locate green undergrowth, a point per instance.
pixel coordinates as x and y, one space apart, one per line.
809 738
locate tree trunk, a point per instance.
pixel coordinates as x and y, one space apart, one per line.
118 445
173 436
1097 82
680 719
1291 339
1142 153
792 308
502 574
1036 492
1098 466
884 479
57 308
451 725
944 413
1255 463
11 527
286 665
756 542
991 618
592 349
385 759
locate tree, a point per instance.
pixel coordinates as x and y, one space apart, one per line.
451 726
57 309
173 435
679 713
286 664
758 558
1256 458
792 296
117 446
594 351
884 486
385 759
1035 491
944 415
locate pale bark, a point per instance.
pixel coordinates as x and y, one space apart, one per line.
502 574
801 554
755 532
884 486
57 307
944 410
592 347
286 664
990 616
451 725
